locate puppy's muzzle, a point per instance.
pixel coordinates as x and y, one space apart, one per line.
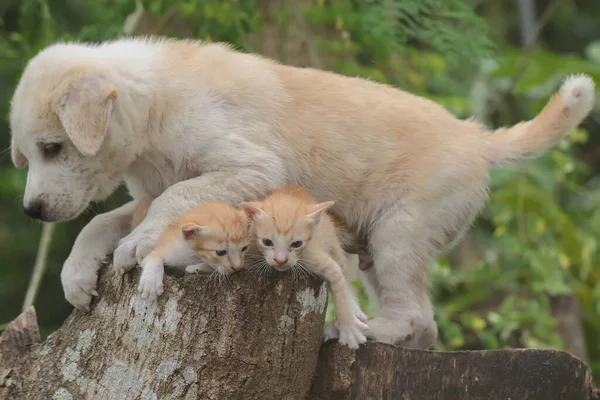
34 210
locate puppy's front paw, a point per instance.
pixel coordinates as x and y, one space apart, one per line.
352 334
124 257
151 284
134 247
79 278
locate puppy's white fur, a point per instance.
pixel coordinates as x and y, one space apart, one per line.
191 122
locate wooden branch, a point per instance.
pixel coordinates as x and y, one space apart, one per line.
314 58
380 371
253 338
249 338
532 41
16 341
39 268
567 312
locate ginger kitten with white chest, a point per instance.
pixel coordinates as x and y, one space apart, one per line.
211 237
294 231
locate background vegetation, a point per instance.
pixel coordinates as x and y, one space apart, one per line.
526 276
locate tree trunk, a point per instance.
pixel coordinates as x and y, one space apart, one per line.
567 312
378 371
250 338
253 338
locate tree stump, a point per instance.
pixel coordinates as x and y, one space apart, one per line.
378 371
248 338
253 338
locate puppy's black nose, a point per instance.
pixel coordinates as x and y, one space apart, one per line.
33 210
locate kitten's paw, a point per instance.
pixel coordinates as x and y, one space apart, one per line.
353 334
151 284
200 268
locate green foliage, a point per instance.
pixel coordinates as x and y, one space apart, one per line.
545 228
539 232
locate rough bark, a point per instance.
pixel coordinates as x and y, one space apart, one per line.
250 338
17 340
380 371
253 338
567 312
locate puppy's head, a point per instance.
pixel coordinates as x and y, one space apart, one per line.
61 117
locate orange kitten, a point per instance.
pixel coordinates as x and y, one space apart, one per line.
211 237
294 231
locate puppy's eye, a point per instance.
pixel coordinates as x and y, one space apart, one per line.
244 248
297 244
221 253
267 242
51 149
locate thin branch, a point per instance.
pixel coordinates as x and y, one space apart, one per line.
39 268
313 53
527 19
528 49
164 20
4 6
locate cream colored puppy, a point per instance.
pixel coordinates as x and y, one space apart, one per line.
188 122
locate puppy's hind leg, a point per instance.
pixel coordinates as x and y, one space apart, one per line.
401 259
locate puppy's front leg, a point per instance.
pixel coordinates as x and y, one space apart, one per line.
93 244
233 187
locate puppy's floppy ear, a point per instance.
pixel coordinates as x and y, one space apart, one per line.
84 112
252 209
315 212
18 158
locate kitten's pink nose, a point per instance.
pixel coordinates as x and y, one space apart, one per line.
236 267
281 260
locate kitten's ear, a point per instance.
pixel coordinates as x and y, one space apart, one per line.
252 210
190 231
246 218
315 212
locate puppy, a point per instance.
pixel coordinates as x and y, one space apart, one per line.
187 122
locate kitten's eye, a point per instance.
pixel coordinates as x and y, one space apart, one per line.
244 248
268 242
296 244
221 253
51 149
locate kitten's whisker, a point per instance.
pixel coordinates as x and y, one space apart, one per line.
303 271
266 270
212 277
226 280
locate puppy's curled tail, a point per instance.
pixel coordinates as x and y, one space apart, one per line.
565 110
